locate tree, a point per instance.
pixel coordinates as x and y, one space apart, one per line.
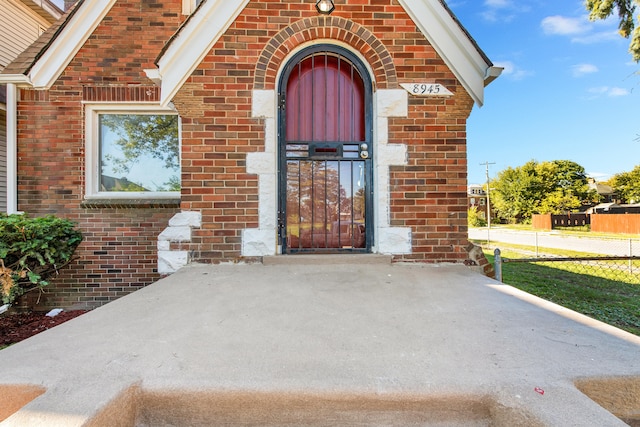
516 192
549 187
627 185
602 9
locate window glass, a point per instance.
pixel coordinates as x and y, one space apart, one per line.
138 153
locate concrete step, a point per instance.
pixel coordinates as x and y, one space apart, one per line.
327 259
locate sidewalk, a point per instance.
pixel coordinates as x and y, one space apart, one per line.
305 344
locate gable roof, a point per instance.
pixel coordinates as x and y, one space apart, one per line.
41 66
45 9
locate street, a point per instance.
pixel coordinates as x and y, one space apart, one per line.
555 240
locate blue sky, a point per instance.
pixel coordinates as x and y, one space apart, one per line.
569 90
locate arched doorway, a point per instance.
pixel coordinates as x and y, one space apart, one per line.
325 153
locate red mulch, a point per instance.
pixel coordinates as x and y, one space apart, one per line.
15 327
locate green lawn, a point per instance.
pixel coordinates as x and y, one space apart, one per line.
610 297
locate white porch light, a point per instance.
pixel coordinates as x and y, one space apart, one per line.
325 7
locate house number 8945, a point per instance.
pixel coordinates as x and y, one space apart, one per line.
426 89
421 89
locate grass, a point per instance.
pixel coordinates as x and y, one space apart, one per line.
603 295
568 231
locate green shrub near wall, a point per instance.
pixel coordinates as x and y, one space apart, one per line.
32 250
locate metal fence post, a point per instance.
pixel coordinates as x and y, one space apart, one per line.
537 254
630 256
497 264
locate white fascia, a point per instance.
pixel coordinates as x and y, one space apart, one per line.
451 43
194 41
76 32
17 79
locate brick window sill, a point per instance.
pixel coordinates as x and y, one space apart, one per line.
141 203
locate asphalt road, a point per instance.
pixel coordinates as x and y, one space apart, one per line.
555 240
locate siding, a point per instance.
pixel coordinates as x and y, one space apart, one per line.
18 29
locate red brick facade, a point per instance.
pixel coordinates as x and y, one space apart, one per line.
119 252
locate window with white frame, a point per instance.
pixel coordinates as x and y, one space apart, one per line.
133 151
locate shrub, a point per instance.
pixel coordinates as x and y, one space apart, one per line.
32 250
474 218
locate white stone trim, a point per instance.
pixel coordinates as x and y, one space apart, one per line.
262 241
388 103
178 231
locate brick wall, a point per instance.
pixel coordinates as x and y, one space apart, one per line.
428 195
118 254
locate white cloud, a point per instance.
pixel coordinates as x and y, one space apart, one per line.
561 25
513 71
602 36
613 92
580 70
498 4
502 10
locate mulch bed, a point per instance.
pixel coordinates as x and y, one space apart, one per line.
15 327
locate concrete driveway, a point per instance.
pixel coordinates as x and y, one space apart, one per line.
302 343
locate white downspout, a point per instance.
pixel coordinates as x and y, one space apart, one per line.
12 148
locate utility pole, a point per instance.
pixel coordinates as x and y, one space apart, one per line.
486 164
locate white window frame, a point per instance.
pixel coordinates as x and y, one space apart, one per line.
188 6
92 151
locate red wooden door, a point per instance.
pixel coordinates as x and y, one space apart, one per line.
325 156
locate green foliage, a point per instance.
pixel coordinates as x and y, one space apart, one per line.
474 219
144 134
602 9
627 185
554 187
32 250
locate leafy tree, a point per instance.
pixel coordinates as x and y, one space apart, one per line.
602 9
516 193
474 218
548 187
627 185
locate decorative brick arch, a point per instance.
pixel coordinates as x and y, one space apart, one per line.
329 27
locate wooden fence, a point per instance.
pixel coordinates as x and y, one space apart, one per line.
549 222
602 223
616 223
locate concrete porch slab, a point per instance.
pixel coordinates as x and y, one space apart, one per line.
304 344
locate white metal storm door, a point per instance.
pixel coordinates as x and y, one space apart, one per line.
325 153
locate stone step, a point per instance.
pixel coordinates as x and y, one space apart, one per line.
327 259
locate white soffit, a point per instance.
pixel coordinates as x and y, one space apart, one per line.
451 43
193 42
74 35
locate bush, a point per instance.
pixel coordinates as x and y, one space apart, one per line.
474 219
32 250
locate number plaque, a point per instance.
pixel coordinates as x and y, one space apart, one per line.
426 89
